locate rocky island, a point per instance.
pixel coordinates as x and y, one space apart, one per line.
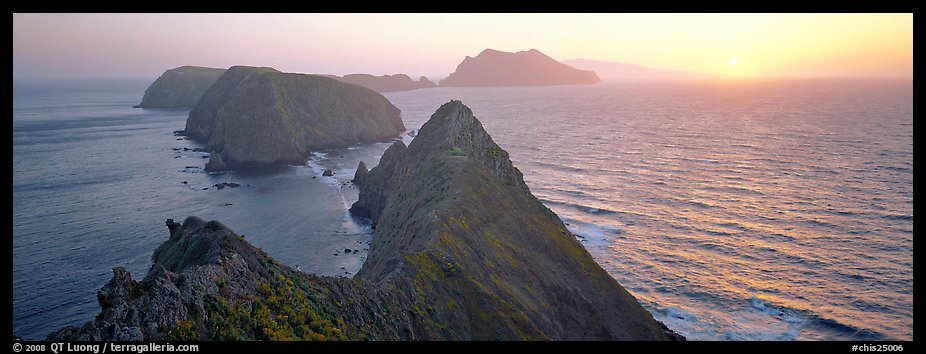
257 115
461 251
179 87
386 83
524 68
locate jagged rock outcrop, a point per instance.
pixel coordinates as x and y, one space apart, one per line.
216 163
180 87
188 270
360 174
260 115
461 251
206 282
525 68
386 83
454 218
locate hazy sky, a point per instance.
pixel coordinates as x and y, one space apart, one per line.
144 45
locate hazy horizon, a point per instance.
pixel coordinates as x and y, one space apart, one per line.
725 45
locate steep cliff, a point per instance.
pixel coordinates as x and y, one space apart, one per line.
260 115
206 282
180 87
454 218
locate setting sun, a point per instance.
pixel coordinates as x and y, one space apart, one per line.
783 45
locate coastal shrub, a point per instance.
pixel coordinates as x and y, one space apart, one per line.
282 312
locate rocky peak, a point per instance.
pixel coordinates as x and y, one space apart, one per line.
525 68
391 167
424 82
360 174
454 217
453 129
197 242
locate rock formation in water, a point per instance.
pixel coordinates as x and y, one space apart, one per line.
216 163
524 68
180 87
424 82
461 251
360 174
259 115
386 83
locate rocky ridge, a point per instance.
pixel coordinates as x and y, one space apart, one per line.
461 251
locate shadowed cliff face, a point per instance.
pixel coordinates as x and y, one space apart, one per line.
524 68
461 251
260 115
206 282
189 268
454 217
180 87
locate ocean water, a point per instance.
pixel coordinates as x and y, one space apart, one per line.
763 210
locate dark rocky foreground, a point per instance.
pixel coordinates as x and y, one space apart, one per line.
260 115
525 68
461 251
180 87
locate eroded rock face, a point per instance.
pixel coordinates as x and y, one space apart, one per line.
360 174
183 275
461 251
260 115
180 87
455 219
216 163
207 282
525 68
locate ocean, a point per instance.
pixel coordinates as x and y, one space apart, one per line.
740 210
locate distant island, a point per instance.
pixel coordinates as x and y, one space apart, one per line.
180 87
257 115
616 71
525 68
386 83
461 251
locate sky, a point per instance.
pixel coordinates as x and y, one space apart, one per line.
734 45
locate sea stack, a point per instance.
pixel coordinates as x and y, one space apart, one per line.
524 68
180 87
257 115
461 251
360 174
